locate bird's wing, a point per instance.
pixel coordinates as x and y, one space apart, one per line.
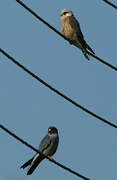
76 26
81 37
79 32
45 143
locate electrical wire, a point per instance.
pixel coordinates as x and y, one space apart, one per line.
51 27
37 151
57 91
110 3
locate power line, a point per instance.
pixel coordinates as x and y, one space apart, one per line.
101 60
51 27
57 91
110 3
36 150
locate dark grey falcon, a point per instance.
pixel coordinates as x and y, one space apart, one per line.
48 147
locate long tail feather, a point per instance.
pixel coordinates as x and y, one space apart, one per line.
34 165
27 163
89 48
83 49
85 54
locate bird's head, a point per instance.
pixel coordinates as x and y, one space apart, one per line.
66 13
52 130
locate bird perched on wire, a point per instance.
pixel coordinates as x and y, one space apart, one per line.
70 28
48 147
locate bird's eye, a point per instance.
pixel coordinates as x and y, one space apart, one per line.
49 130
65 13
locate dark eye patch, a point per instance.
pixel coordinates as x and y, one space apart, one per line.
64 13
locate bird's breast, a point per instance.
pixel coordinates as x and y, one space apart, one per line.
69 31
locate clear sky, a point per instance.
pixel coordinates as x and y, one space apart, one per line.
27 108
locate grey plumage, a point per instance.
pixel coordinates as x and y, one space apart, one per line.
48 147
70 28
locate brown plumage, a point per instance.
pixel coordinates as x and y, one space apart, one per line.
70 28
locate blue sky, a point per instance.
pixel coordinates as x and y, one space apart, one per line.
87 145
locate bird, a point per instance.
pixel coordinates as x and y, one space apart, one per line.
48 147
70 28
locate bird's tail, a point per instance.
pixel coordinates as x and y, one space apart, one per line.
83 49
26 163
89 48
35 164
85 54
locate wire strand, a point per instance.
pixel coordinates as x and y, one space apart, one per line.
57 91
110 3
36 150
55 30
